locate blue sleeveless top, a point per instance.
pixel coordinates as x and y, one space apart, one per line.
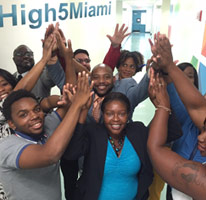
120 174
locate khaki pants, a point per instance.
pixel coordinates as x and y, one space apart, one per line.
156 187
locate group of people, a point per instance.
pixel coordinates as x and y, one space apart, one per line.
92 120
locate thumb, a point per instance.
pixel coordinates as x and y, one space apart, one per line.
109 37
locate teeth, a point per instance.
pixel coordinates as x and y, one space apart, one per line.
102 87
4 96
115 126
37 125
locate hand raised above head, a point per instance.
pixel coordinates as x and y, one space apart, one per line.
158 90
83 91
48 46
119 35
67 96
163 53
66 52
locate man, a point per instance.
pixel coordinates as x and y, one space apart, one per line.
24 60
82 56
29 167
104 82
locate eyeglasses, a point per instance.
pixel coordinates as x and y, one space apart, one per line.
21 54
87 60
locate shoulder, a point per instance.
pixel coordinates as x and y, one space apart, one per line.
137 131
136 125
51 122
124 84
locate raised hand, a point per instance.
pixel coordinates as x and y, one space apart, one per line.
48 46
67 95
119 35
162 52
64 51
83 92
158 90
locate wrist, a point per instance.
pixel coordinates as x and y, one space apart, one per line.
52 60
170 67
114 45
164 108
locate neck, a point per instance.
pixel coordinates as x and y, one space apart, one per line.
115 136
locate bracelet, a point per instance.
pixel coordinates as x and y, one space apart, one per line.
164 108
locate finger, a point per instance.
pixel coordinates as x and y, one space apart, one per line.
122 28
62 34
125 30
109 37
116 29
69 42
127 35
150 42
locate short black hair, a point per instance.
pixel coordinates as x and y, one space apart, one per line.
113 96
8 77
137 57
13 97
81 51
184 65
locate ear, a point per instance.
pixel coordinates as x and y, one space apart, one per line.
11 124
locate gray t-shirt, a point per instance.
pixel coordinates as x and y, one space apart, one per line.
29 184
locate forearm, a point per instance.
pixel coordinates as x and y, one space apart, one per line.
57 74
70 72
83 116
49 103
79 67
30 79
56 145
158 129
190 96
112 56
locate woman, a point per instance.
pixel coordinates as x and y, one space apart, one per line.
185 146
7 84
127 63
116 164
184 175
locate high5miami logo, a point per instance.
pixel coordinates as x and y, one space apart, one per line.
19 15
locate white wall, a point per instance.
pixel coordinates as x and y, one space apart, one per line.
86 32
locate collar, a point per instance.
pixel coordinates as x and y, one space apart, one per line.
31 139
23 74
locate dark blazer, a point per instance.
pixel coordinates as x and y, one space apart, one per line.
91 141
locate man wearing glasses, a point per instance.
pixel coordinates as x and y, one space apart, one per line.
24 60
82 56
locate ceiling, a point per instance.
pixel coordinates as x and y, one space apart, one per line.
143 3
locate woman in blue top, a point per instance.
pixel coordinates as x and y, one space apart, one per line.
186 145
116 164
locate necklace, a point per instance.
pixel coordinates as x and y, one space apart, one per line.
120 143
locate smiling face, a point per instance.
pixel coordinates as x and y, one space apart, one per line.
102 76
115 117
27 116
5 88
23 58
127 69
